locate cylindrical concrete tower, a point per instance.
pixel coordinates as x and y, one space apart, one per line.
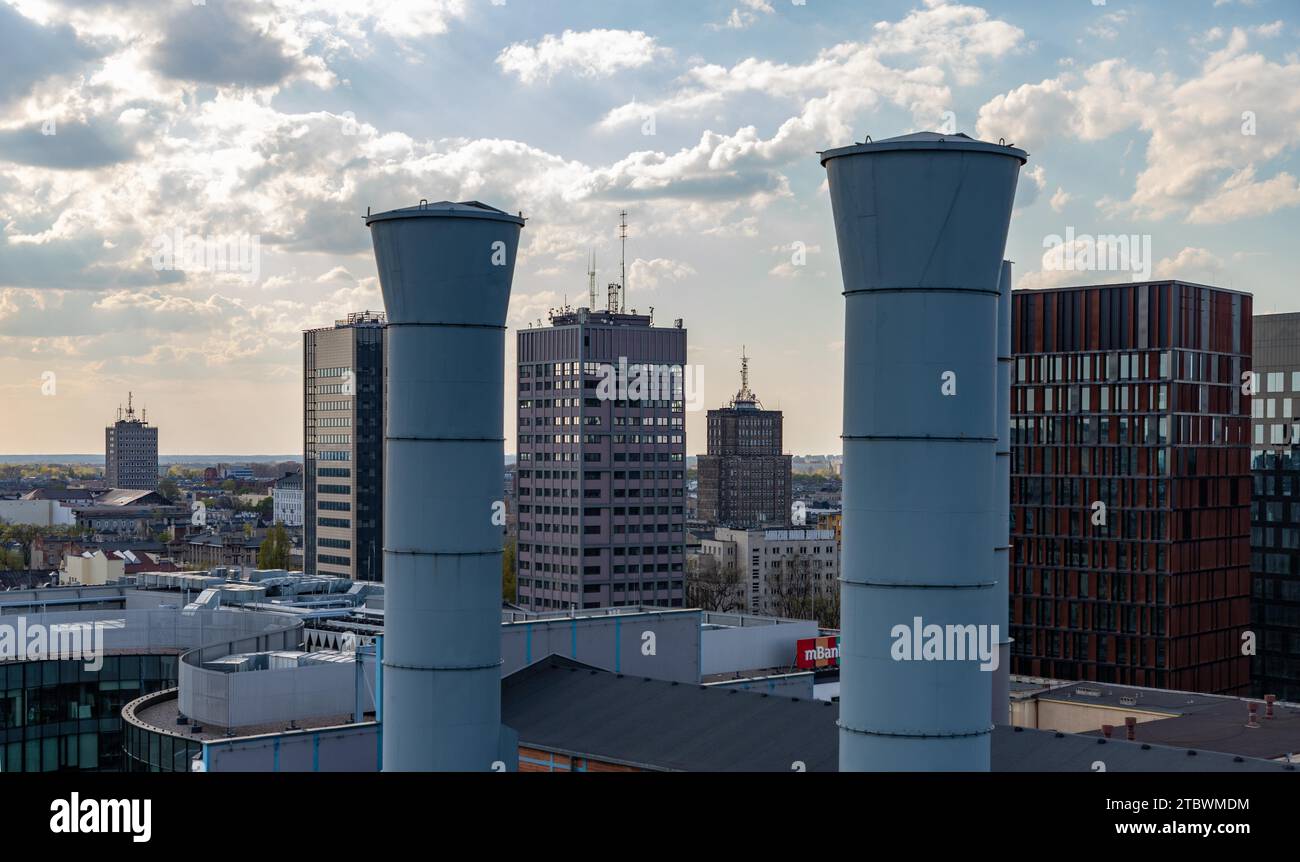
1001 706
921 222
446 271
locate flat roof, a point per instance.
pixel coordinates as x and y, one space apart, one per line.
163 714
1068 288
562 705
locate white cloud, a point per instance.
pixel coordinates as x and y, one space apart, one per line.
1191 264
590 54
742 18
1060 199
649 274
1200 164
855 76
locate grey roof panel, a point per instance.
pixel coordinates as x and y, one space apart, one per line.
561 704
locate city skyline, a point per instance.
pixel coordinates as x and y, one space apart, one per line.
158 131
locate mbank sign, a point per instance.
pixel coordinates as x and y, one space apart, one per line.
817 652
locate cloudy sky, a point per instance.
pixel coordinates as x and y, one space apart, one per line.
282 120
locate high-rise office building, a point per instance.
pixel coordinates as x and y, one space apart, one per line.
1275 507
745 478
601 460
343 448
131 451
1275 410
1275 570
1131 485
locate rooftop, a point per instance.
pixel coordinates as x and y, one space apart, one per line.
445 209
562 705
926 141
1068 288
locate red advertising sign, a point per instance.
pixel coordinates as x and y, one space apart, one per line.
817 652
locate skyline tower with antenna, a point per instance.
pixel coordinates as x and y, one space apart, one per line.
131 450
745 478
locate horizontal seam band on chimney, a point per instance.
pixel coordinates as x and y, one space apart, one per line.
447 439
975 290
957 734
389 664
411 553
918 438
912 585
450 325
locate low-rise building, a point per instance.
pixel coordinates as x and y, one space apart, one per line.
792 572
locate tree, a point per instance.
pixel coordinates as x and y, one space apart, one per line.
24 535
509 586
169 489
799 592
275 548
712 585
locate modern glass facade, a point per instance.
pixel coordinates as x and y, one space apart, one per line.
1275 565
1131 485
343 443
148 749
58 716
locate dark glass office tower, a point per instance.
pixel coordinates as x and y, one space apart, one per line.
1275 508
601 473
1275 566
343 448
1131 485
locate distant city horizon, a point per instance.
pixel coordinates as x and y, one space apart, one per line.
261 458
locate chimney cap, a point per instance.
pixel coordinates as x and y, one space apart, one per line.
926 141
447 209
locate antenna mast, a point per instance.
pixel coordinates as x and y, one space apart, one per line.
622 235
591 280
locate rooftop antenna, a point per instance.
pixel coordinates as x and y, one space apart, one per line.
622 235
591 280
130 410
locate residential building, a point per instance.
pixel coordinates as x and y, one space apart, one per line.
93 568
131 451
344 375
286 499
600 477
1130 485
744 479
789 572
